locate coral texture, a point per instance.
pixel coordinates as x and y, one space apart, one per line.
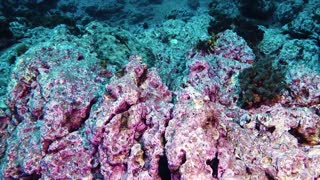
51 92
67 120
129 122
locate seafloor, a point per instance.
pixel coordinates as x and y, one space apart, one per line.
160 89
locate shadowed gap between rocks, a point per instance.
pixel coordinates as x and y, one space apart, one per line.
214 165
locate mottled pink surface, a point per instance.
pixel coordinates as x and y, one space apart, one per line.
232 46
5 129
24 152
304 88
50 96
128 125
192 136
65 122
205 141
68 158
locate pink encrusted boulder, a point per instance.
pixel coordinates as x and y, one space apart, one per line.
205 141
53 84
216 77
303 87
24 152
69 157
6 127
192 136
277 142
232 46
209 137
196 135
128 124
216 74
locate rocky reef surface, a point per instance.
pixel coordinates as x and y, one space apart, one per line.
210 93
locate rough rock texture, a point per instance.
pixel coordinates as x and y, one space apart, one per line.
62 124
169 44
123 136
272 144
52 89
6 127
227 8
128 124
25 151
211 139
4 79
300 53
287 10
232 46
272 42
69 157
307 23
304 87
7 60
114 45
192 136
196 135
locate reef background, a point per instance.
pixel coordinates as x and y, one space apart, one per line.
159 89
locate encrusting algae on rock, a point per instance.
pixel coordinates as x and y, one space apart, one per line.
140 96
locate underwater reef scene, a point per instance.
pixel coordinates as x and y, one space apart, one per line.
160 89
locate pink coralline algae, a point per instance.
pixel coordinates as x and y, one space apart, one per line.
67 158
44 89
129 123
197 146
205 141
25 151
210 137
232 46
304 88
215 77
5 129
50 95
66 122
192 137
284 145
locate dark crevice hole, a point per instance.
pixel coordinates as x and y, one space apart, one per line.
184 157
142 78
263 129
96 167
317 111
271 129
295 132
98 176
164 171
269 176
75 127
257 125
248 171
92 103
30 176
214 163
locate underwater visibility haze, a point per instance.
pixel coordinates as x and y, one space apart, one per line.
159 89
